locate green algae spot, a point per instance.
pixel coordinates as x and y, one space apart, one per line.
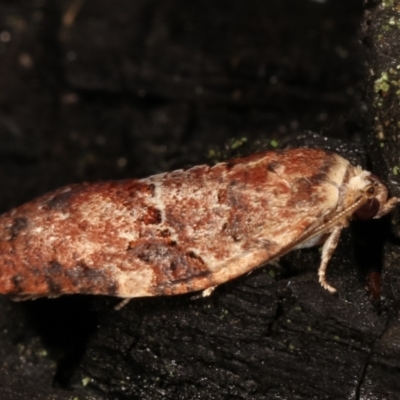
274 143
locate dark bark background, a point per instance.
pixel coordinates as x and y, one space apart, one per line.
94 90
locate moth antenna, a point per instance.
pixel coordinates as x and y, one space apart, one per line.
332 222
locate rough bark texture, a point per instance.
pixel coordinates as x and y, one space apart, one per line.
381 35
95 90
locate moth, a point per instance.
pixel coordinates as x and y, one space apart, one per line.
186 230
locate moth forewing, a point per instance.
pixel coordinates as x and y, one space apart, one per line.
183 231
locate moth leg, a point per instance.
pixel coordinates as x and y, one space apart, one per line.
204 293
387 207
327 251
208 291
121 304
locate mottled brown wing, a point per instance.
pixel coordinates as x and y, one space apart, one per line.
171 233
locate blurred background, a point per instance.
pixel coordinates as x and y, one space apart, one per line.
93 89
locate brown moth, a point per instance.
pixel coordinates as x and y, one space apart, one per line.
186 230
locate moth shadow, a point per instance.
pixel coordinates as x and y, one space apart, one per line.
369 239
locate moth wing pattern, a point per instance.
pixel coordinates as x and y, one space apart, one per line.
171 233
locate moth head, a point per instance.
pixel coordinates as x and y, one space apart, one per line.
370 193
